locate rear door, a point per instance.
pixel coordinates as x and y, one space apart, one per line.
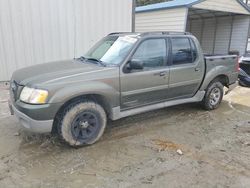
149 85
187 68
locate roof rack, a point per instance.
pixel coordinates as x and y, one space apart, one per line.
165 33
116 33
153 33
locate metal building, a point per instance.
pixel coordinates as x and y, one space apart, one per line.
220 25
33 32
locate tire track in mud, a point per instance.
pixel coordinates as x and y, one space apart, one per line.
231 103
237 169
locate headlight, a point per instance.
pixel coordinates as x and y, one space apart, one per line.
33 96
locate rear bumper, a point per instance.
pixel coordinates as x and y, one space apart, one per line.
37 126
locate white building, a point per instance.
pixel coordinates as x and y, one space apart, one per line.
220 25
38 31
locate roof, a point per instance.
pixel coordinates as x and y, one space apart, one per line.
176 4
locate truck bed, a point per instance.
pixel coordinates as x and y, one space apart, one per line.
230 62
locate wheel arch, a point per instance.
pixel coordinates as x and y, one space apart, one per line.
99 99
224 79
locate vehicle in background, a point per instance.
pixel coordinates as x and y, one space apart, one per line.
122 75
244 73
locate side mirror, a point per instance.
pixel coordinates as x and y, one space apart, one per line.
135 64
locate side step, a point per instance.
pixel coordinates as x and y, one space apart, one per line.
117 114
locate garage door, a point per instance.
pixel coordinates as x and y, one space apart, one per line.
216 35
223 35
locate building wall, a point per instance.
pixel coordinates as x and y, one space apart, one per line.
33 32
222 5
222 34
162 20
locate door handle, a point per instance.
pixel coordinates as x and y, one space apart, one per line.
197 69
164 73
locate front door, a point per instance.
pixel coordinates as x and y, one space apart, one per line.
150 84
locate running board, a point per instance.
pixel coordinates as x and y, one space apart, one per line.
117 114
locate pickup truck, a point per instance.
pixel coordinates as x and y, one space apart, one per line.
122 75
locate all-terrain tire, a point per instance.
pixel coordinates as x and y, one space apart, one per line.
68 122
213 96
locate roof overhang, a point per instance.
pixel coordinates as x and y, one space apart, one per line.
178 4
195 13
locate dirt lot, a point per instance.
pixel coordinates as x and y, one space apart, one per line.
138 151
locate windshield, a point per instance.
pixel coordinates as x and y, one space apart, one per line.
112 49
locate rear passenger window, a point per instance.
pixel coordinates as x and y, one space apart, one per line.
181 51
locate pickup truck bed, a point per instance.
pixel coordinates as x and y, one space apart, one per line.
220 61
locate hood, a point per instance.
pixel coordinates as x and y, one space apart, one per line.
48 72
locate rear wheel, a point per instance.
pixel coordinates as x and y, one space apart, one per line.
82 123
213 96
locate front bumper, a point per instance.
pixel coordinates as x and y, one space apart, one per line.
37 126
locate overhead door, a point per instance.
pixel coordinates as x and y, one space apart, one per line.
240 33
196 28
208 36
219 35
223 35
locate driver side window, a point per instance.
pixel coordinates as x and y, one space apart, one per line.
152 53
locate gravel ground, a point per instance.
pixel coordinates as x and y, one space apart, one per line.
139 151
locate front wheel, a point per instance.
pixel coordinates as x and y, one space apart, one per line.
82 123
213 96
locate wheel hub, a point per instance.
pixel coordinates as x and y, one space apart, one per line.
84 124
215 96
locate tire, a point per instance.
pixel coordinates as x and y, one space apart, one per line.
82 123
213 96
